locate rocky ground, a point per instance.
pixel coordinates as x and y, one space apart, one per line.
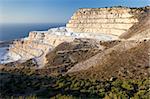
127 60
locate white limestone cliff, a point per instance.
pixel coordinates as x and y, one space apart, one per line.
39 43
102 24
104 20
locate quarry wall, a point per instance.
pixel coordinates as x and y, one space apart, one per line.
93 23
115 20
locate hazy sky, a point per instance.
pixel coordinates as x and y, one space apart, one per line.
53 11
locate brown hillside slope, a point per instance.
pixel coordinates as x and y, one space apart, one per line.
126 60
139 30
73 52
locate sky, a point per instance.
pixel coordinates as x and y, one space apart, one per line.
53 11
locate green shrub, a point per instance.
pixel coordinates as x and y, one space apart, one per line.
127 85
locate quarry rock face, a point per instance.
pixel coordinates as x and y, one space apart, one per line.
39 43
100 24
48 38
105 20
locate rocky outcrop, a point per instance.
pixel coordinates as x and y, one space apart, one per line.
114 20
49 37
27 49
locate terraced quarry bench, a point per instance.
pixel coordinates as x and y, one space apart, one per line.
104 20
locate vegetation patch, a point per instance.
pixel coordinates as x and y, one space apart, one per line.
69 87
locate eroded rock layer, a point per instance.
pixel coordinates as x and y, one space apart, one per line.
104 25
39 43
115 20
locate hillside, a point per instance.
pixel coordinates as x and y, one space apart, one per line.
126 60
73 52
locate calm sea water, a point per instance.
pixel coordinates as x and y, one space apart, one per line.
15 31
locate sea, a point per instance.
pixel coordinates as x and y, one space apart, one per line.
13 31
